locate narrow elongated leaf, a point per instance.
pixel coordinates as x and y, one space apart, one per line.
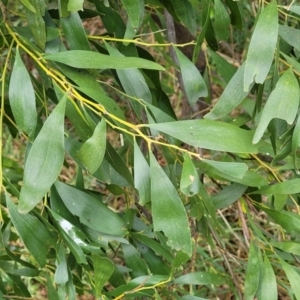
296 143
74 31
45 159
290 35
200 278
141 175
92 151
189 182
268 286
22 98
236 15
232 96
135 12
287 88
32 231
91 211
103 268
194 84
222 20
287 220
36 22
209 135
61 273
168 209
253 272
92 60
293 277
134 261
291 186
288 246
262 46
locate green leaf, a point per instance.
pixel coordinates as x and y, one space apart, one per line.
135 12
92 60
75 5
236 15
28 5
71 238
288 246
74 31
287 87
293 277
168 209
45 159
228 195
232 96
141 175
61 273
222 20
253 272
201 278
296 144
287 220
32 231
91 211
194 84
290 35
134 261
103 268
262 46
291 186
209 134
22 98
189 182
268 287
36 22
92 151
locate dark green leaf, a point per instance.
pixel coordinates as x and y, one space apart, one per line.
45 159
91 211
22 98
32 231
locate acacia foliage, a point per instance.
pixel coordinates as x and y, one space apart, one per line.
96 106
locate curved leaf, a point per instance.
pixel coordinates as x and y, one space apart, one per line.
45 159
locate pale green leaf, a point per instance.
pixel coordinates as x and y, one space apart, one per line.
209 134
287 88
290 35
45 159
75 5
31 230
91 211
194 84
296 144
268 287
141 175
103 268
288 246
135 11
232 96
92 151
291 186
92 60
262 46
22 98
293 277
189 182
168 209
201 278
28 4
61 273
253 272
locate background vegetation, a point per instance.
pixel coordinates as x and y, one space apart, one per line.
150 149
